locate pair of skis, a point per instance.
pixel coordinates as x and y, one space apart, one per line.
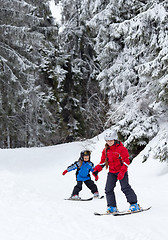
122 213
84 199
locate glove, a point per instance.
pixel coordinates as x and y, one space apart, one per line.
95 174
120 175
122 172
64 172
96 178
98 168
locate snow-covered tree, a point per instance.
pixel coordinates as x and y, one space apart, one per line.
27 118
131 46
105 67
84 106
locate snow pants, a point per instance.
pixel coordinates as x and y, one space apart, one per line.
125 188
89 183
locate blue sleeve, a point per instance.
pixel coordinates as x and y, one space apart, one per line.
72 167
91 166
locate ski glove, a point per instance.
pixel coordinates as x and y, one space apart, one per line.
95 173
96 176
122 172
64 172
98 168
120 175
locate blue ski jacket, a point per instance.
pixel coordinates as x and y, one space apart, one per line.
82 173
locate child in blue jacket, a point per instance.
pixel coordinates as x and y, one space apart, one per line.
83 166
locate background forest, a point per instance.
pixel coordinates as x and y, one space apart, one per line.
106 65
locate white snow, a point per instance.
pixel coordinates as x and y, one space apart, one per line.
56 11
32 192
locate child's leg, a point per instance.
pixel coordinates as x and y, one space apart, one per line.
91 185
127 190
109 189
77 188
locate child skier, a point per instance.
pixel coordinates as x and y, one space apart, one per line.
83 166
116 157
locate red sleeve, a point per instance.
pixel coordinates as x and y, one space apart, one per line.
125 156
100 166
103 157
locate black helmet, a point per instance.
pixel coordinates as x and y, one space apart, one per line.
85 153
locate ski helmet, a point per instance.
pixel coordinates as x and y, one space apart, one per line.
85 153
110 135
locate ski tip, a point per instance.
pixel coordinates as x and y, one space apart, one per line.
97 214
149 208
145 209
101 197
101 214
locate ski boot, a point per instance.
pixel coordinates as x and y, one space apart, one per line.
111 209
134 207
75 197
96 195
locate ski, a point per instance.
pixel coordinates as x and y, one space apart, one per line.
122 213
84 199
129 212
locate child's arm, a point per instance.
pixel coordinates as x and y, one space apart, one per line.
92 168
125 160
70 168
101 165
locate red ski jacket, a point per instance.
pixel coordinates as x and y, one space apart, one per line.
118 158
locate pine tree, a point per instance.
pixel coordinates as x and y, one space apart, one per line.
27 117
83 105
131 39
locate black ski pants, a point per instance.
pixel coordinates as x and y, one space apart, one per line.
89 183
125 188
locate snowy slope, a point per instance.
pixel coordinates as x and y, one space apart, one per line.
32 192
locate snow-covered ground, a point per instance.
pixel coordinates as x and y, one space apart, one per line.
32 192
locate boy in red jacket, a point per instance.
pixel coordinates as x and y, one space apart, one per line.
116 157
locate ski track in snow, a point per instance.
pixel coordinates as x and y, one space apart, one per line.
32 192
